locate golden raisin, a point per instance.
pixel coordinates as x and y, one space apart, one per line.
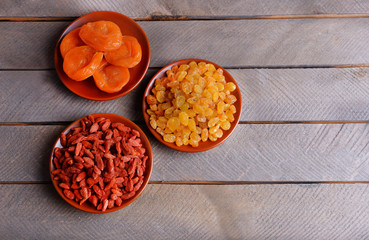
173 123
183 118
204 134
153 123
169 138
225 125
150 99
192 103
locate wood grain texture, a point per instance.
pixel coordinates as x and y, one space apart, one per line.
267 95
194 212
40 96
189 8
31 146
238 43
256 153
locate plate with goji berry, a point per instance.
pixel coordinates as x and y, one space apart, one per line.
101 163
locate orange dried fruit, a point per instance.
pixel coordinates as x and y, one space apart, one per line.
71 40
128 55
81 62
110 78
101 35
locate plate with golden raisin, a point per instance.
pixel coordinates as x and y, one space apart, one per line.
192 105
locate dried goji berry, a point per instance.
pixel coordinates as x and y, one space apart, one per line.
100 165
69 194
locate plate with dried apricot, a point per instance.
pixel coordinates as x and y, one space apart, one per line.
192 105
102 55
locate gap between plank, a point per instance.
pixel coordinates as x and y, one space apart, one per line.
66 123
227 67
257 182
215 182
303 122
197 18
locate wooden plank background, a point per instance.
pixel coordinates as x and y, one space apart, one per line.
255 152
322 94
236 44
191 8
302 67
296 211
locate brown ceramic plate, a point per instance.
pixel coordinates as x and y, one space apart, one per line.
87 206
87 88
203 146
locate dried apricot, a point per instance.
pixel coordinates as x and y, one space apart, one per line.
101 35
128 55
81 62
110 78
71 40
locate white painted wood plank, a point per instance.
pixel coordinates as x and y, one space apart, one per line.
256 153
238 43
40 96
323 94
188 8
338 211
267 95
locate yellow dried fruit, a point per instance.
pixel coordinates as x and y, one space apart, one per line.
185 106
179 142
233 109
165 106
208 112
213 121
167 130
160 131
220 107
183 67
180 100
150 112
195 137
230 116
186 87
220 86
201 118
169 138
218 133
183 118
186 133
192 104
160 96
173 123
153 124
210 67
204 134
230 99
194 143
212 138
191 125
150 99
180 75
197 88
212 130
230 86
154 107
192 64
225 125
